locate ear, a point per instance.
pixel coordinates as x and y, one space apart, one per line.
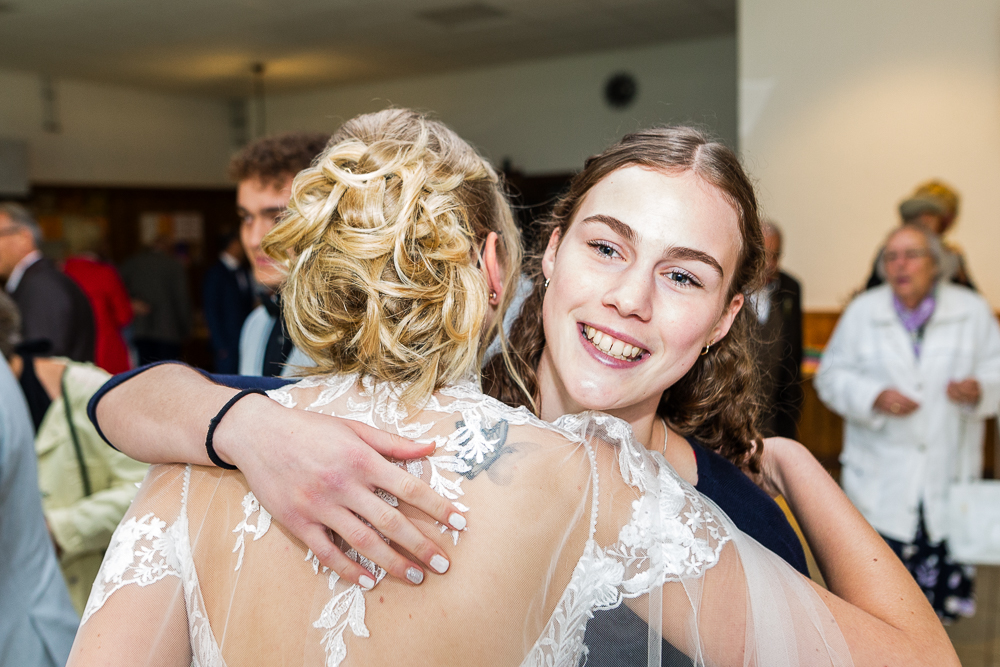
726 319
549 258
493 268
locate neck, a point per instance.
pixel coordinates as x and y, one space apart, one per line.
16 362
556 401
912 302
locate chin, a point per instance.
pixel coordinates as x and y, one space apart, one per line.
268 278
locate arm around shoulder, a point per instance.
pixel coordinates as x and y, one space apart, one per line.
882 613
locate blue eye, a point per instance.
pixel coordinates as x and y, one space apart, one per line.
604 249
682 278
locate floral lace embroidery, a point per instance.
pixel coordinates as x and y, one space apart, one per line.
250 505
379 404
659 544
141 552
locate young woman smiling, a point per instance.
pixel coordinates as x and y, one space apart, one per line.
655 254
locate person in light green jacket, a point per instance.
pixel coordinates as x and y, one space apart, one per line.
81 524
86 486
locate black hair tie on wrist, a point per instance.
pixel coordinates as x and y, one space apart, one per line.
214 423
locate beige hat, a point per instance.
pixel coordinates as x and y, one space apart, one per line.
915 206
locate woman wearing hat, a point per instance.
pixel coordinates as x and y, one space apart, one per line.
935 206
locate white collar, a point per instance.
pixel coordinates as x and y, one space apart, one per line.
20 268
231 262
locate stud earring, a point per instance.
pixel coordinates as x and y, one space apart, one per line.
546 284
493 295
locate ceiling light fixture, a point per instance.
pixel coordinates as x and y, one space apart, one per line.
257 95
461 16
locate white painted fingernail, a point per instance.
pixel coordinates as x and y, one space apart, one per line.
366 583
439 564
415 575
457 521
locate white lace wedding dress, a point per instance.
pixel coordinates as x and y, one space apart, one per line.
563 520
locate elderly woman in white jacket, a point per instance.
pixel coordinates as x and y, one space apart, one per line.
914 368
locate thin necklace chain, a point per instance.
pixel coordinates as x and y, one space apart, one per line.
666 434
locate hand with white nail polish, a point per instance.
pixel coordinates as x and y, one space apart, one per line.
314 473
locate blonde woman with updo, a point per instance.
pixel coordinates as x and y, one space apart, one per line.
659 237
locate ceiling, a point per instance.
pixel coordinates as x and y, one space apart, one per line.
209 47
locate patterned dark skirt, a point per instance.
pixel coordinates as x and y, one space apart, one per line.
948 585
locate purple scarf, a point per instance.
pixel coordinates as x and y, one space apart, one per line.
915 320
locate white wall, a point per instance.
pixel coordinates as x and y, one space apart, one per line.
115 135
845 106
545 116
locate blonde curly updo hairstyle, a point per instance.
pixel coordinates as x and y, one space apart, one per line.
382 240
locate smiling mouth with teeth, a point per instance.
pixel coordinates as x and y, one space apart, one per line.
611 346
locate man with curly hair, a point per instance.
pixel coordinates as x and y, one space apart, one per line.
263 172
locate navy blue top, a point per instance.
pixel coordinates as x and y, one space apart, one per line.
618 636
234 381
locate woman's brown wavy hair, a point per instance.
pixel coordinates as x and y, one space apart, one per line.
717 401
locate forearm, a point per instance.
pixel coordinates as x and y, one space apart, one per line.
881 610
162 415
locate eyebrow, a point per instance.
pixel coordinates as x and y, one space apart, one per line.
616 225
674 252
274 209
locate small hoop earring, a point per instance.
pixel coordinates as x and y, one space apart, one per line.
705 349
545 285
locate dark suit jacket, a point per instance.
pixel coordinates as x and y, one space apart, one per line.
784 404
226 305
54 308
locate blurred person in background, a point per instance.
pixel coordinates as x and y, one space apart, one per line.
227 300
37 621
263 172
109 300
52 306
778 306
86 487
935 206
914 368
158 287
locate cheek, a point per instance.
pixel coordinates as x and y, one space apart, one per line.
246 238
685 326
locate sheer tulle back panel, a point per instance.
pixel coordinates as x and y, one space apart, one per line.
528 523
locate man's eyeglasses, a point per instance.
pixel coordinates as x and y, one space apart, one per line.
914 253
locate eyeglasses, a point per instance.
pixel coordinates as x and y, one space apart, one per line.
913 253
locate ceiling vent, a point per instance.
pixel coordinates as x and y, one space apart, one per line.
462 16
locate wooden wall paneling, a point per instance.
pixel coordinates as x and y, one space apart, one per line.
122 207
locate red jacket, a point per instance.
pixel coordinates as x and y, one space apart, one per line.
111 305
